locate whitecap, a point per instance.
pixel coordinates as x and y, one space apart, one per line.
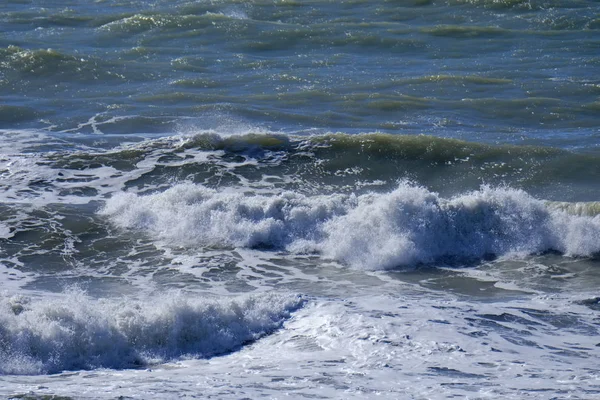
405 227
76 332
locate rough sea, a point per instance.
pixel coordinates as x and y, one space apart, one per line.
316 199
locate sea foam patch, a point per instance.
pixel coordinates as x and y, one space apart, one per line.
404 227
77 332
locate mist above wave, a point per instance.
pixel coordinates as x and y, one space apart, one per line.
404 227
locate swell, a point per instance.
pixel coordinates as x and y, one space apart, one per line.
337 163
49 63
379 145
429 160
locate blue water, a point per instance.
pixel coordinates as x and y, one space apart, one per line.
350 199
480 70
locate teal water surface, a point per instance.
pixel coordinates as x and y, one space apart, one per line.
482 70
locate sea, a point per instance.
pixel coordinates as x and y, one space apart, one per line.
303 199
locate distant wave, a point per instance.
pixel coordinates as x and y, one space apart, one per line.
384 156
251 157
54 64
404 227
77 332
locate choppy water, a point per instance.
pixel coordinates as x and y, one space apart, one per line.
353 199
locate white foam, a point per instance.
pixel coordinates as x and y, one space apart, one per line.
379 345
406 226
5 231
193 215
231 12
77 332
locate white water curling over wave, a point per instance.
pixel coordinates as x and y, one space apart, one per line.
404 227
76 332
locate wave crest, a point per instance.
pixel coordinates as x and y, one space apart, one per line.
407 226
77 332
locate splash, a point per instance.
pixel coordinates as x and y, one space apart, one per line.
77 332
405 227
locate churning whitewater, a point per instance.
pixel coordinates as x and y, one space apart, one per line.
226 259
405 227
81 333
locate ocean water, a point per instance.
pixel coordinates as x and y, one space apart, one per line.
300 199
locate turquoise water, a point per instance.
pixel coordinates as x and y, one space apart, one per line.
352 199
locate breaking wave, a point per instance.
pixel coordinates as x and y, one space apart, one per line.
404 227
77 332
